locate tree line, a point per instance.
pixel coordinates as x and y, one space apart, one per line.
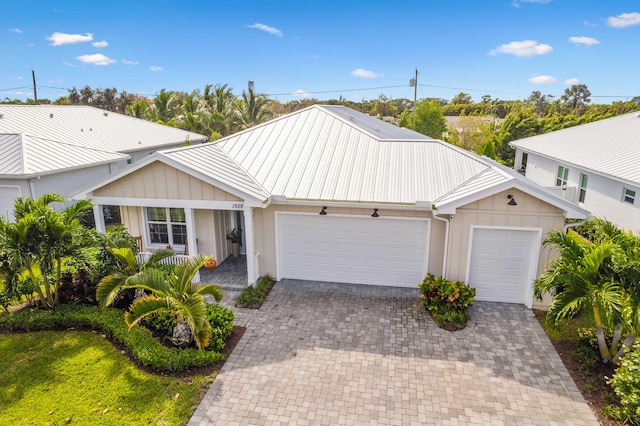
485 127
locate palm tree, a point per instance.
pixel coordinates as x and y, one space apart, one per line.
39 240
111 285
253 107
177 294
577 281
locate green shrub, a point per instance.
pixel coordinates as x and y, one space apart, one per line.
626 384
138 341
163 322
253 296
447 301
221 320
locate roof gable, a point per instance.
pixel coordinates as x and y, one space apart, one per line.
22 155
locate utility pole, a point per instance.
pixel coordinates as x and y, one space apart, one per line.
414 83
35 91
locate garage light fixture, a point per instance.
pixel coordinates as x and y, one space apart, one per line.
323 212
375 213
512 201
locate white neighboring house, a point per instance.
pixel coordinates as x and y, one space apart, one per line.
595 165
55 148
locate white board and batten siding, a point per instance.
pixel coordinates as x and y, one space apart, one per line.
503 263
386 251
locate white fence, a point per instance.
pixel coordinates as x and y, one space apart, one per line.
177 259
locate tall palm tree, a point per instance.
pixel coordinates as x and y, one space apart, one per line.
577 281
177 294
253 107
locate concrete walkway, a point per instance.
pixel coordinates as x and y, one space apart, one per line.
335 354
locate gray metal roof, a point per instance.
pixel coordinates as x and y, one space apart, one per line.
610 147
22 155
90 127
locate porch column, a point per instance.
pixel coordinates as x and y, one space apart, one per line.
192 247
252 267
98 215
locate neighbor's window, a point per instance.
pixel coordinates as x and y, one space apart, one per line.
628 195
563 176
584 180
167 226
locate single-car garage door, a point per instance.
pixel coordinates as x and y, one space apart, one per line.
352 249
503 263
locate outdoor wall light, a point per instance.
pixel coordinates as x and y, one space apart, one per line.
323 212
512 201
375 213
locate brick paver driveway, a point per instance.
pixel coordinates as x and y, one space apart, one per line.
333 354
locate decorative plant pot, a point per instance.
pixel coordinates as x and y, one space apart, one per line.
235 249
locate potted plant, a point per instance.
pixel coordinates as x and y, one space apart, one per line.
234 237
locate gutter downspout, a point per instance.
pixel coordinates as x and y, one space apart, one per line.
446 241
571 225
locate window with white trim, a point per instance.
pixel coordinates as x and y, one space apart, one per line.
628 196
167 226
584 181
562 177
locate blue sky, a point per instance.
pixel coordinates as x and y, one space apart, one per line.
292 49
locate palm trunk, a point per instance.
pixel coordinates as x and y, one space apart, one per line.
57 289
602 343
36 285
47 289
617 335
627 342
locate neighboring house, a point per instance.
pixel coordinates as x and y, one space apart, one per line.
53 148
328 193
595 165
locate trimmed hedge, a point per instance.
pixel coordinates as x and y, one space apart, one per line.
110 321
253 296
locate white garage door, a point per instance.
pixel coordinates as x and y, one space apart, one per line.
501 264
360 250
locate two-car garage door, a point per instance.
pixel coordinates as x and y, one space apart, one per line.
352 249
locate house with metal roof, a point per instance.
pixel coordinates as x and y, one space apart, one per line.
55 148
595 166
328 193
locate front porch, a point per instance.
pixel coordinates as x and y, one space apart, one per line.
231 274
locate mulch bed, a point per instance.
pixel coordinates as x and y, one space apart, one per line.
590 381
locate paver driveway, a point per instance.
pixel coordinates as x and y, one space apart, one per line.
333 354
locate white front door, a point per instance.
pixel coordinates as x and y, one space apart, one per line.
503 263
352 249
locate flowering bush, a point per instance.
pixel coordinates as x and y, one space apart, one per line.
626 384
447 301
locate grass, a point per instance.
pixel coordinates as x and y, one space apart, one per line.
78 377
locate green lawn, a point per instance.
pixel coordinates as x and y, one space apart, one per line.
74 377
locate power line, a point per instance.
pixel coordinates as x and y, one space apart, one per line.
335 91
16 88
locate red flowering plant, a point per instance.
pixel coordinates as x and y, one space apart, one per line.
447 301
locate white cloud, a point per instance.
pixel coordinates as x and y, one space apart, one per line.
587 41
270 30
524 48
19 77
127 62
301 93
16 30
361 72
542 79
571 81
58 39
100 44
624 20
155 68
96 59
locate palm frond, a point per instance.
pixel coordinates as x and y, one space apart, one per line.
211 289
143 307
109 287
